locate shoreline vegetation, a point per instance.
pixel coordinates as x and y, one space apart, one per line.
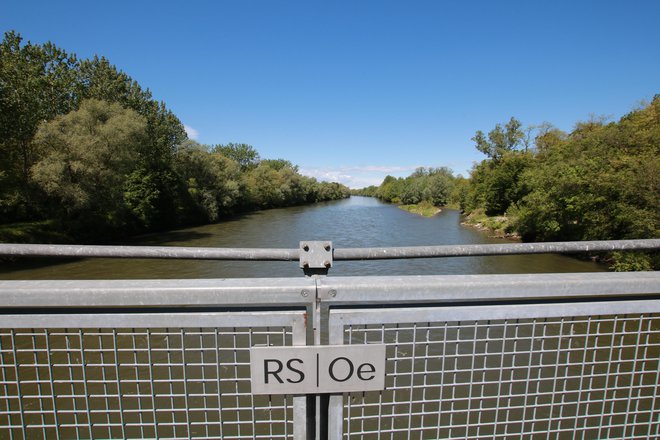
499 226
89 156
540 184
425 209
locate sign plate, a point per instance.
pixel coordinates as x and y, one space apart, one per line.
317 369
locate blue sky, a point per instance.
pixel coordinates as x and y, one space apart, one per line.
355 90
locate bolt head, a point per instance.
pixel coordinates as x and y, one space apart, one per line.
304 293
332 293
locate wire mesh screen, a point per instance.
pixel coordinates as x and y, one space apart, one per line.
579 377
137 383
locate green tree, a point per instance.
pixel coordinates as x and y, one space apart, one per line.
213 181
36 84
154 194
40 82
495 182
599 183
86 156
245 155
500 139
390 189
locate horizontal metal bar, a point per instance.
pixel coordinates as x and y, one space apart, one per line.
277 292
341 318
267 292
474 250
476 288
380 253
157 252
150 320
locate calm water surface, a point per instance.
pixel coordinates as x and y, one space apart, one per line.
354 222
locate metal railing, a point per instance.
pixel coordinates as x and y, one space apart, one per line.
502 356
467 356
351 254
146 359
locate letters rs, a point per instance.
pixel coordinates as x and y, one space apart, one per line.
280 366
273 368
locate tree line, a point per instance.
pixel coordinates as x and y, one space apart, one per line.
84 146
435 186
598 182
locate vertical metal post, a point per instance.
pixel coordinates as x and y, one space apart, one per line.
315 261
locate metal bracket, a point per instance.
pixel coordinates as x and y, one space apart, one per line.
315 257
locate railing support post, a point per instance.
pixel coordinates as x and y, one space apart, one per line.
316 257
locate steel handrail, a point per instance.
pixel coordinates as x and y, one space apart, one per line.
375 253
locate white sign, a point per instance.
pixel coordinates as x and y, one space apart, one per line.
317 369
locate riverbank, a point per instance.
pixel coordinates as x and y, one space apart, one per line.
54 231
424 209
500 226
46 231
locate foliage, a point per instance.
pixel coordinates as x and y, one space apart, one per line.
213 181
496 185
35 85
85 157
598 182
83 146
245 155
425 209
500 140
431 185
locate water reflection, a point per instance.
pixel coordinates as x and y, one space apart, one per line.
355 222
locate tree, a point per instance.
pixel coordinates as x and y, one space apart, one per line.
40 82
245 155
213 182
500 140
601 182
495 182
440 184
86 156
37 83
154 180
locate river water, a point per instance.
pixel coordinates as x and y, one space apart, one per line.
354 222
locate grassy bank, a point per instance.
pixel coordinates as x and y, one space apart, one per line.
425 209
47 231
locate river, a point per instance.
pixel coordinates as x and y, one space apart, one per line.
354 222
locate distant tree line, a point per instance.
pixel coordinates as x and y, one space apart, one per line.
84 145
436 186
598 182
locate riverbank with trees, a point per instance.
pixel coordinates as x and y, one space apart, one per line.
598 182
87 155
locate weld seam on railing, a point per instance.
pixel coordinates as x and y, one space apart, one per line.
259 254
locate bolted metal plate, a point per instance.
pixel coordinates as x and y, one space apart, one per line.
315 254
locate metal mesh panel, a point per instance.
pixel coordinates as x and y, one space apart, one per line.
571 377
137 383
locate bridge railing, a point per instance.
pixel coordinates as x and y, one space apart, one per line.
467 356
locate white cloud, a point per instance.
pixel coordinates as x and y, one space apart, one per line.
356 176
191 132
